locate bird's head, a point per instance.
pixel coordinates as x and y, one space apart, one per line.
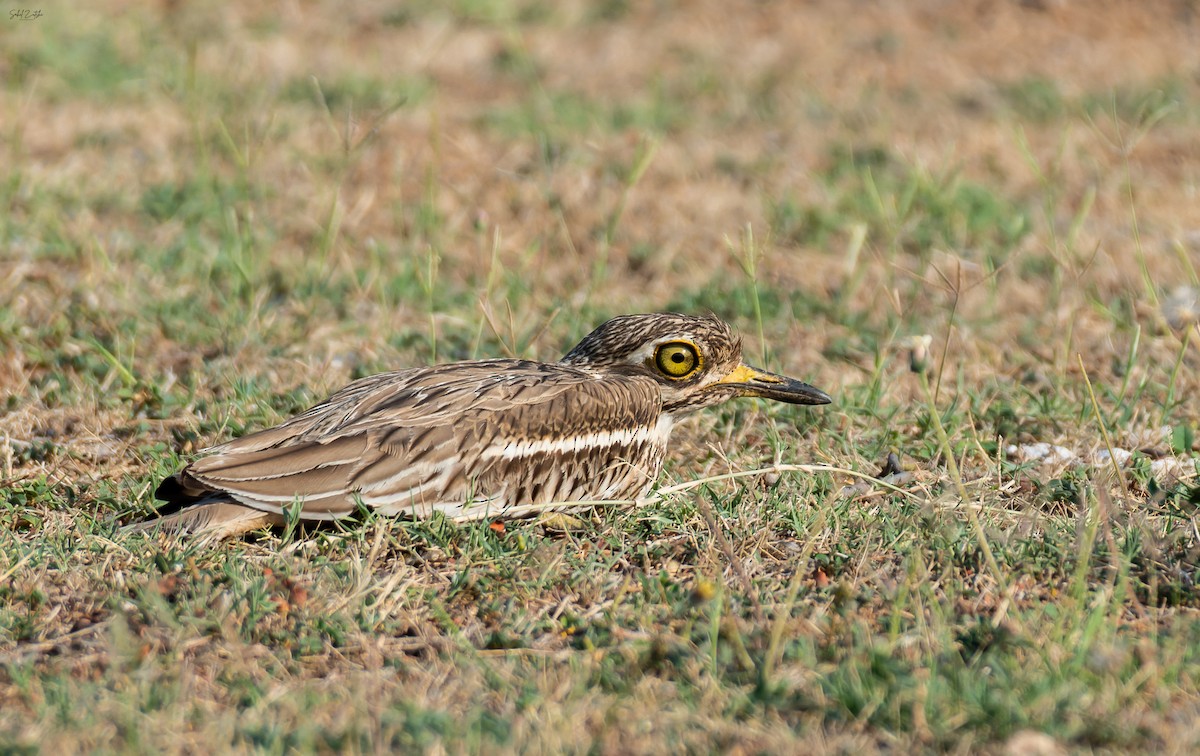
697 361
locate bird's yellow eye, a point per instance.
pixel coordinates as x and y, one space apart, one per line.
677 359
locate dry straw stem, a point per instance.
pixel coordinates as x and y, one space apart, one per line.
661 494
972 517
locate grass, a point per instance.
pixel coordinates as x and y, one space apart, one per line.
212 220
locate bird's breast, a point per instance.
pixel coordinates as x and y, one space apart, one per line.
653 435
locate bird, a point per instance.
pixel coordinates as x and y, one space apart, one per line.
481 439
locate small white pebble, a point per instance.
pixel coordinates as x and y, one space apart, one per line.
1048 454
1171 466
1102 457
1182 307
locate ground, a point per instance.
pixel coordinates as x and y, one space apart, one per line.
976 225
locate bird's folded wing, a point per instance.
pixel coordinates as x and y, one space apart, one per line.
273 479
405 439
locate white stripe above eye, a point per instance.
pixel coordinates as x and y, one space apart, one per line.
623 437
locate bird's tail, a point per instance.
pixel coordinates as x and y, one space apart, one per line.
209 518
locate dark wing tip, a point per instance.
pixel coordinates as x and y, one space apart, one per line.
170 489
181 489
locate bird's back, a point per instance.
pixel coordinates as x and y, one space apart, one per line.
470 439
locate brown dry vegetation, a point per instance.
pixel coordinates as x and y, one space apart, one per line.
212 217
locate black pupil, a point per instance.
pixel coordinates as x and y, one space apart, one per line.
677 358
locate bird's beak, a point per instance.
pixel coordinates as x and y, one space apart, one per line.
750 381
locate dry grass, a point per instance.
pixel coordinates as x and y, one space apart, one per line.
214 217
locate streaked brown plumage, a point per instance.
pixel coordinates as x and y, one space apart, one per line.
482 438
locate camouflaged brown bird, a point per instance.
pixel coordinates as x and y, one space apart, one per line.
479 439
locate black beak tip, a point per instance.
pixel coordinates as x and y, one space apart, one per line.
805 394
792 392
819 397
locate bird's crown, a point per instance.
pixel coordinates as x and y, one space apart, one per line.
675 349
